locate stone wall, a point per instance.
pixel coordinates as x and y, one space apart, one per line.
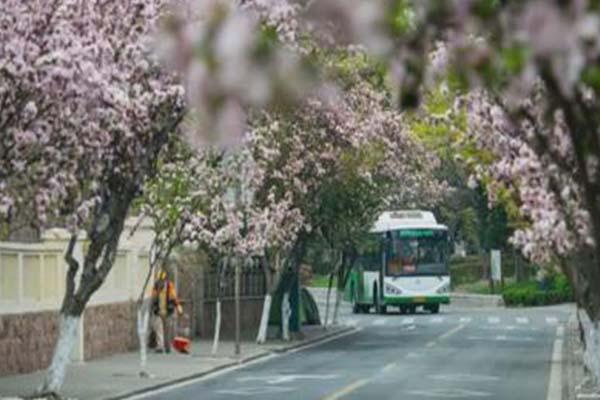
27 341
109 329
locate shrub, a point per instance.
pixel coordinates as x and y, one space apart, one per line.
531 294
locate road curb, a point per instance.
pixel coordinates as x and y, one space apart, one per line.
292 347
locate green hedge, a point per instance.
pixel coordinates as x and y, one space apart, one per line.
530 293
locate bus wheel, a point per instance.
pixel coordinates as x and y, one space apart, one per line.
403 309
434 308
412 309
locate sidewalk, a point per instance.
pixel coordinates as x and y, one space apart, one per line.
577 382
116 376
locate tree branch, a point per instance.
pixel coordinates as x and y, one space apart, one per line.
71 272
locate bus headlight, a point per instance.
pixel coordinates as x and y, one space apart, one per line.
391 289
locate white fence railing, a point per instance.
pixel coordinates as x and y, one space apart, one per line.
32 275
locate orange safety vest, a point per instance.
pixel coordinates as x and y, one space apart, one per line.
168 293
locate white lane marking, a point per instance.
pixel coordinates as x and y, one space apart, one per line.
465 378
449 393
346 390
452 331
285 378
522 320
555 382
226 370
588 396
413 355
389 367
465 320
551 320
379 322
408 321
509 328
560 331
437 320
493 320
502 338
253 391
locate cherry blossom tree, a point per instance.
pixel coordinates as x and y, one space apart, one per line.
86 111
298 148
537 63
212 206
509 47
352 145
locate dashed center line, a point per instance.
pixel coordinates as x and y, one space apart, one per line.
522 320
493 320
379 322
445 335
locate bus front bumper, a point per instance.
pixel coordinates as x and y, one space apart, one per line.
404 300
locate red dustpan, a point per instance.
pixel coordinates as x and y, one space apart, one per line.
182 344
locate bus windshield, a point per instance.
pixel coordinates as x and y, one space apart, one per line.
417 252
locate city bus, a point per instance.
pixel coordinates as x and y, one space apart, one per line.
404 264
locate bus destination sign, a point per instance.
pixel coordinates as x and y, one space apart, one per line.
416 233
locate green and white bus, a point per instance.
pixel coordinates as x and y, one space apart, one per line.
405 265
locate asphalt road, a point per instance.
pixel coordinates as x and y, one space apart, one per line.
457 354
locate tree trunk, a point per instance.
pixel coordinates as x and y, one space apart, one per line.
97 263
285 316
591 334
338 299
343 273
485 266
584 276
329 285
55 375
217 332
272 284
264 320
143 317
519 272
